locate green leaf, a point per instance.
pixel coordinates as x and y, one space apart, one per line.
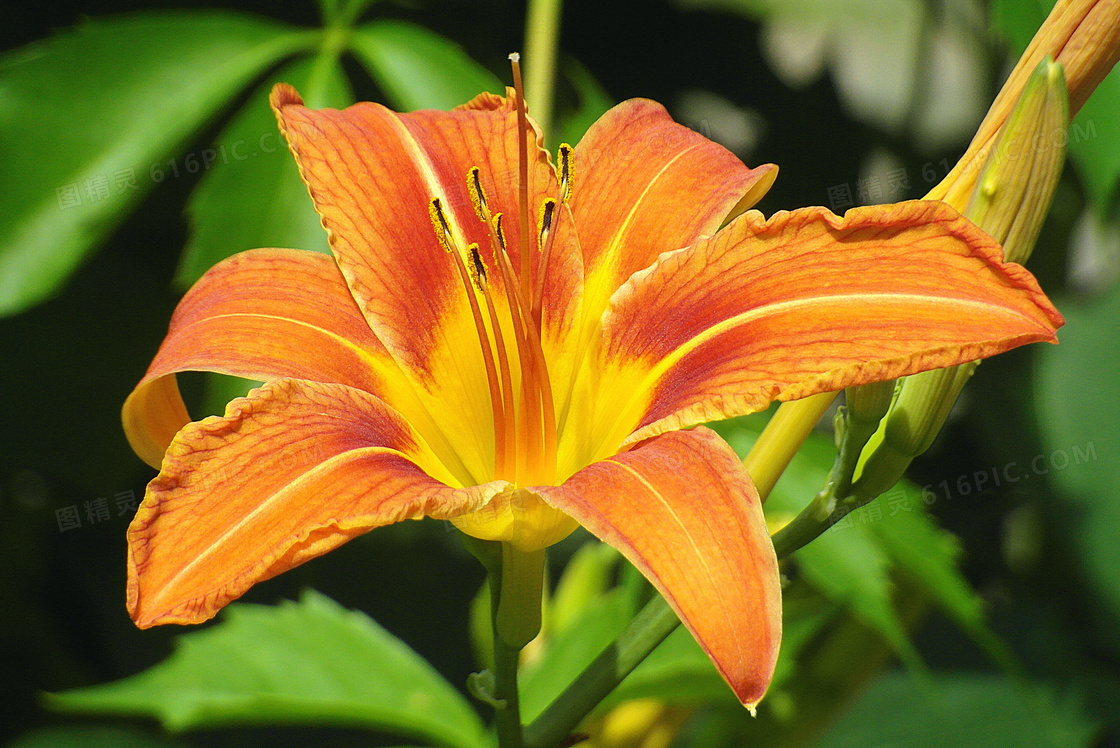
310 662
89 119
964 711
1077 405
91 737
929 555
252 195
850 568
417 69
850 562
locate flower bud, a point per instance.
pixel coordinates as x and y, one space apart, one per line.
1022 169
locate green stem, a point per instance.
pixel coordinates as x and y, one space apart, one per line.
542 27
648 629
516 585
507 709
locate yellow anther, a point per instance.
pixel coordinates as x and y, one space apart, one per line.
477 268
497 221
548 208
564 162
478 195
439 223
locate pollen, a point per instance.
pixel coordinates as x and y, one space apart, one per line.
477 268
439 224
548 208
565 169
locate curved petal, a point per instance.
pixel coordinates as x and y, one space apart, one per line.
372 174
290 472
808 302
644 185
682 509
262 314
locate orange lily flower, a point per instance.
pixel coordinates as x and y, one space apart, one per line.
519 347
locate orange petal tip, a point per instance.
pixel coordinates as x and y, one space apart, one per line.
284 94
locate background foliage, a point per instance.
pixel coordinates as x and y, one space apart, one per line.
999 629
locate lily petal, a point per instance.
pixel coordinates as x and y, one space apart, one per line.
372 174
808 302
682 509
290 472
262 314
644 185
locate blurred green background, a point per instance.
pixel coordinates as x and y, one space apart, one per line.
857 102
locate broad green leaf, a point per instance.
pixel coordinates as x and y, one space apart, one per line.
847 566
91 737
310 662
929 555
418 69
963 711
90 119
252 195
1078 402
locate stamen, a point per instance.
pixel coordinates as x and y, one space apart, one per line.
478 270
505 460
548 210
522 175
478 196
500 235
532 369
502 407
564 160
439 224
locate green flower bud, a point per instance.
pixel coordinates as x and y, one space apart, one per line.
1022 169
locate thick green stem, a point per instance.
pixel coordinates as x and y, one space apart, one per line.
516 585
507 707
542 27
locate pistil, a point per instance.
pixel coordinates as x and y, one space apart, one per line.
522 176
